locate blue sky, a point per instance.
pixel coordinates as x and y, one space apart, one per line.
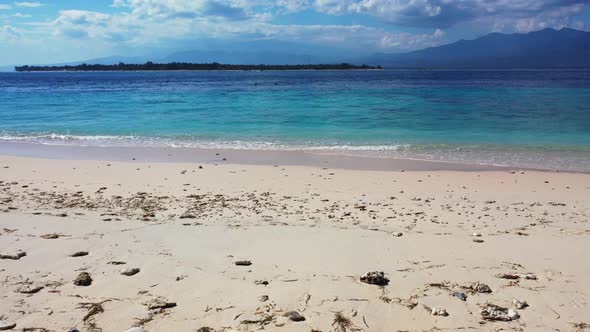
69 30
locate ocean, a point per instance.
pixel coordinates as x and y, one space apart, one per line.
521 118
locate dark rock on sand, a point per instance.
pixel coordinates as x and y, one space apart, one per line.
6 325
294 316
79 254
83 279
130 271
14 255
375 278
243 263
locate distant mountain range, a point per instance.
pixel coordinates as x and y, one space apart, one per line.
548 48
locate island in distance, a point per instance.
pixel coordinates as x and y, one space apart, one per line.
151 66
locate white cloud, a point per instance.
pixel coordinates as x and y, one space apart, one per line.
558 17
5 7
8 33
408 41
437 13
293 6
158 23
28 4
21 15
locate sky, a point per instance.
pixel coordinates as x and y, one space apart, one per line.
58 31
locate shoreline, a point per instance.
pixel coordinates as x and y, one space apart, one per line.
321 159
314 158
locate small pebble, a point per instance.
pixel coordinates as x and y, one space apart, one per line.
460 295
243 263
130 271
83 279
519 304
439 311
79 254
375 278
13 255
294 316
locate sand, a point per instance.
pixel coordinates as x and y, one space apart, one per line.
309 232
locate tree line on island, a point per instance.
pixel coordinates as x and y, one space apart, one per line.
151 66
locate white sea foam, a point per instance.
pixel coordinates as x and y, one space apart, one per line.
516 156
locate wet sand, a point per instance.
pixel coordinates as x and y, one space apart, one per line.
331 159
310 232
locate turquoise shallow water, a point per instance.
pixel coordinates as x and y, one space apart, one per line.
522 118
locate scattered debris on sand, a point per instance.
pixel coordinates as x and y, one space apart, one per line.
117 263
494 312
94 308
343 324
160 304
477 288
50 236
29 288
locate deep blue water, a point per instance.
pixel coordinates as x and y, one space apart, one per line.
482 116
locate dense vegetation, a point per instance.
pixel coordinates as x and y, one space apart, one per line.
190 66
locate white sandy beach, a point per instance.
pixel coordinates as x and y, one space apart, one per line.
309 232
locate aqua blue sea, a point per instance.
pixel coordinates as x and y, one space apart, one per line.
524 118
